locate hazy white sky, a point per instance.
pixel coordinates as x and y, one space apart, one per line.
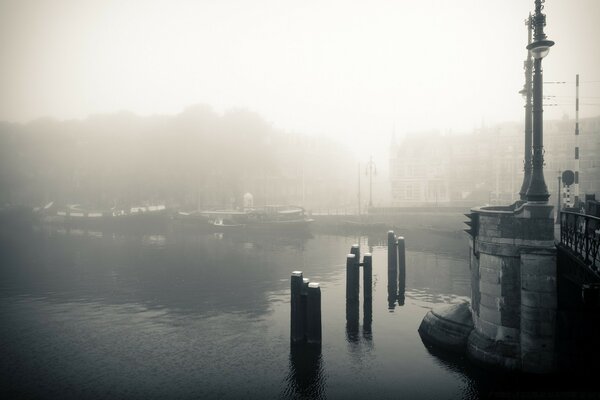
348 69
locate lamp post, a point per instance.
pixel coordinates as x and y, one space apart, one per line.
558 190
538 191
370 170
526 93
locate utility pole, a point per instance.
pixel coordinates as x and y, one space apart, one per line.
576 186
359 189
558 190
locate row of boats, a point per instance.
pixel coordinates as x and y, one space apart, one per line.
274 217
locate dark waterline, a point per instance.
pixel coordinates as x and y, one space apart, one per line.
183 315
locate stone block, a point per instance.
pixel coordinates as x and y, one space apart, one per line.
489 301
538 314
508 226
490 275
503 354
534 265
491 289
538 283
537 354
538 329
490 314
495 331
539 362
538 299
492 262
500 249
537 229
511 317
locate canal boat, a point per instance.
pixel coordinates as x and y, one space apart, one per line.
279 218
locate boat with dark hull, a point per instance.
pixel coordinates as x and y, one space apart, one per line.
279 219
133 218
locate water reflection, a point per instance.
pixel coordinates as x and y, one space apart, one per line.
306 378
368 320
209 315
352 320
392 289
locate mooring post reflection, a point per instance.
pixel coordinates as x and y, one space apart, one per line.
401 270
352 320
392 270
368 319
306 378
392 288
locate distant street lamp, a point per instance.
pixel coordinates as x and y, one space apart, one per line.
526 93
371 170
538 191
558 207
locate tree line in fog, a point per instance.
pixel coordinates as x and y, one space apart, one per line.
195 159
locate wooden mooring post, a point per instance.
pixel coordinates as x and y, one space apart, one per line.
352 277
296 317
392 252
305 307
368 276
313 326
353 265
396 269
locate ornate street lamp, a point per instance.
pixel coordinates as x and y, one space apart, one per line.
537 191
526 93
371 170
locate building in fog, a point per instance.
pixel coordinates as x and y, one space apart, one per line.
486 166
419 171
308 171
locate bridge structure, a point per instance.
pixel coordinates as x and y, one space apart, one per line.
535 298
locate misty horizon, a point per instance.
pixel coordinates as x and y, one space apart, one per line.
337 69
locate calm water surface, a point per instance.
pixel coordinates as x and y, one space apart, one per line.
187 315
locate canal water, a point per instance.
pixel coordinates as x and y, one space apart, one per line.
189 315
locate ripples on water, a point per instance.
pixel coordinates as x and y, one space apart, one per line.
182 315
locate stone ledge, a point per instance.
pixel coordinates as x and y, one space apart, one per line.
492 353
448 327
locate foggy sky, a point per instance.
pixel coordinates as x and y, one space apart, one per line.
348 69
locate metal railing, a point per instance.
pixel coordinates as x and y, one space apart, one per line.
581 234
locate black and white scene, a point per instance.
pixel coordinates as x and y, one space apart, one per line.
275 199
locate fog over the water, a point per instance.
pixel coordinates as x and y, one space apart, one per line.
347 69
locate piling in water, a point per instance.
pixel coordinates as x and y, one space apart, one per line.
296 315
352 277
392 252
355 249
368 276
304 306
313 326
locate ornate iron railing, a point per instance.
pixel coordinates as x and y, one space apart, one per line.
581 234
